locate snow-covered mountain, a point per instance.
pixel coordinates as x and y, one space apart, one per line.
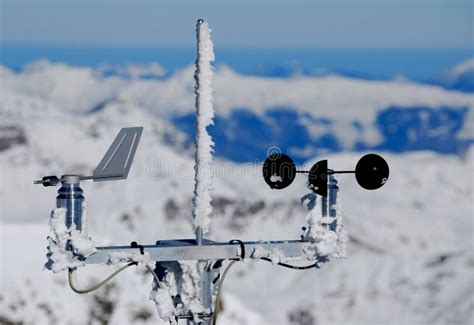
303 115
410 251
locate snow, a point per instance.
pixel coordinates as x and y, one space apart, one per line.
124 257
164 303
163 296
63 239
276 256
396 232
188 282
181 283
202 207
134 71
81 245
322 240
410 244
45 86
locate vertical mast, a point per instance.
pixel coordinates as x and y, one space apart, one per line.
204 117
203 158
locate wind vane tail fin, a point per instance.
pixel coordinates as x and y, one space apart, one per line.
118 158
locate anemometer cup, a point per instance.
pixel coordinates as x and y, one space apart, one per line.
318 178
372 172
279 171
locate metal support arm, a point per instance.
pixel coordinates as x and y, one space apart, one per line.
176 250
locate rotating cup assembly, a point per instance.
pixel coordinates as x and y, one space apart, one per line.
279 171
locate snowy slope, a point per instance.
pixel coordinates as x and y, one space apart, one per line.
410 250
327 113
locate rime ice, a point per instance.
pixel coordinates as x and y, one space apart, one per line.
63 238
180 283
190 276
164 303
124 257
322 240
204 114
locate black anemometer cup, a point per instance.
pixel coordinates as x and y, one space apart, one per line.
279 171
371 172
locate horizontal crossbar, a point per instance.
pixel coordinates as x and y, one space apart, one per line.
177 250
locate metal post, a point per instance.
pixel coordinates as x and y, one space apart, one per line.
333 189
199 233
324 206
207 290
199 236
70 197
205 282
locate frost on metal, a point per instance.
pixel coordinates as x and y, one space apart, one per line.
63 240
276 255
164 303
125 257
165 296
322 241
259 252
342 237
204 117
180 293
190 289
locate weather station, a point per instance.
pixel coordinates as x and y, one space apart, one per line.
187 272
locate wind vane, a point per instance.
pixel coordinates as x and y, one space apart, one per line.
187 272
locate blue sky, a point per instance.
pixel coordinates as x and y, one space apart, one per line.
261 24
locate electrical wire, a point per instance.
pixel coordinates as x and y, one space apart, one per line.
97 285
107 279
158 282
219 290
294 267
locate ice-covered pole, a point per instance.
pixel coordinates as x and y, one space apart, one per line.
204 117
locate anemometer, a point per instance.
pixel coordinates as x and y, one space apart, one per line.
203 255
279 171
